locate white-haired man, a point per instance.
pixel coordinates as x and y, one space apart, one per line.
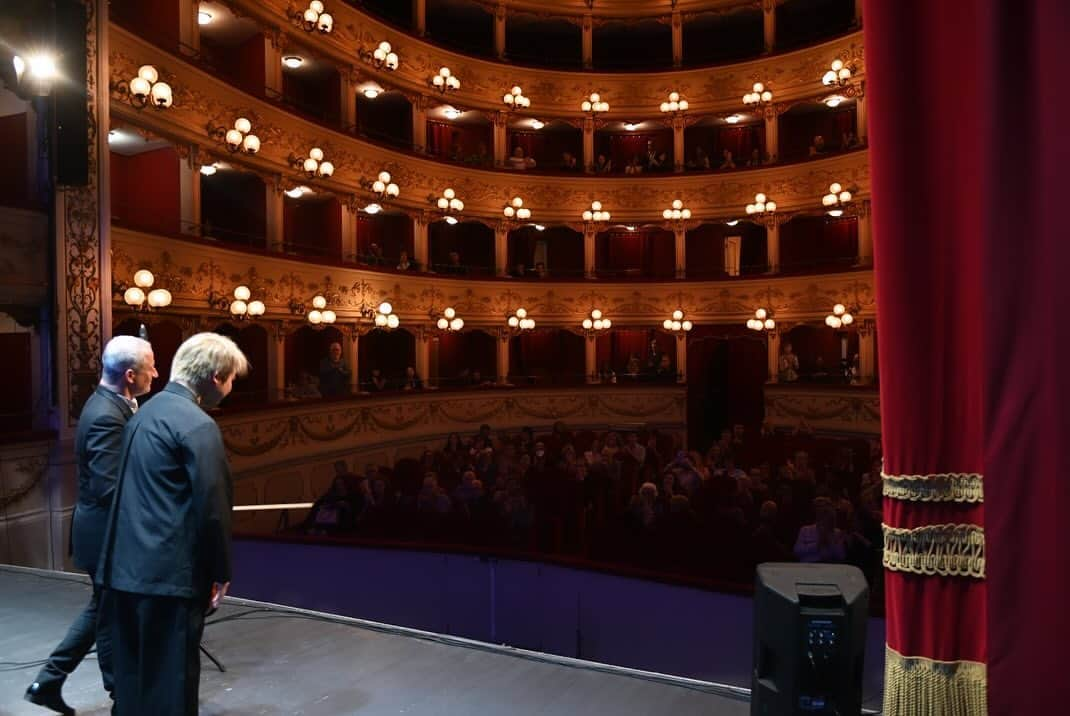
166 556
128 369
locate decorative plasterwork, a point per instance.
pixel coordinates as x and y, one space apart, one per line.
255 441
618 9
192 269
941 487
795 75
949 550
823 408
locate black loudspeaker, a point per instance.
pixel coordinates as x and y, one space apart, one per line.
70 95
809 640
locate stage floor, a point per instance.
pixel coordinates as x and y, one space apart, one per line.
286 661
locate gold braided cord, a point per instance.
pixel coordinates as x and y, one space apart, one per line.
937 487
916 686
946 550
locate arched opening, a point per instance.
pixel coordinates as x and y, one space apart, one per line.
554 146
382 238
823 352
388 352
726 373
634 148
818 243
304 350
629 252
717 250
715 143
234 208
385 117
460 137
554 252
551 356
813 129
252 339
467 359
461 249
634 354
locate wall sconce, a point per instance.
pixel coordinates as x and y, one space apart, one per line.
594 105
383 187
677 213
382 57
838 76
449 321
841 316
146 89
209 169
515 210
385 318
314 164
762 321
836 200
139 297
762 205
314 17
519 321
677 323
758 96
536 124
320 314
595 213
515 99
675 104
595 323
445 81
448 203
242 308
237 138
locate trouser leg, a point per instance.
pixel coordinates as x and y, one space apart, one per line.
70 652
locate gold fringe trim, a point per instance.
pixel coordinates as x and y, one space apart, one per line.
916 686
938 487
946 550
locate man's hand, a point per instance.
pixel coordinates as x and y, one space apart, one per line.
219 590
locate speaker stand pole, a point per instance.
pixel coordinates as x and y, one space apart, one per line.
211 657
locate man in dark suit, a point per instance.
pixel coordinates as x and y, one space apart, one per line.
128 370
166 555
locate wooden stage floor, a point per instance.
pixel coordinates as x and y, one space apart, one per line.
285 661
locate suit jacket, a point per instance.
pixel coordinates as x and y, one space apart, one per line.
97 445
169 526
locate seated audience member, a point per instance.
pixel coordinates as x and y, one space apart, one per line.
633 166
568 162
405 263
374 257
755 159
765 544
376 382
727 162
432 498
540 270
634 366
653 161
633 449
334 373
333 512
519 161
848 141
665 372
454 265
481 157
701 160
643 509
411 381
305 388
788 371
519 271
817 147
603 165
821 541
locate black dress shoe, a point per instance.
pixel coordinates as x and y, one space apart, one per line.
48 695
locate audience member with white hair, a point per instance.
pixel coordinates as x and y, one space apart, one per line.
166 556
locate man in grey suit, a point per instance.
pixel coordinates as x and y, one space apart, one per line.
166 555
128 369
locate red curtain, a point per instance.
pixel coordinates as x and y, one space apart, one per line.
649 253
811 343
740 141
620 148
471 351
552 356
798 129
726 372
969 261
390 352
810 243
145 191
457 142
472 240
313 227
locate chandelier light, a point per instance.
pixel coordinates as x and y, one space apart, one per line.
372 92
838 76
595 322
536 124
836 200
841 316
595 213
449 204
382 57
385 318
445 81
147 89
515 99
319 313
833 101
204 17
242 308
515 210
239 138
762 321
758 95
314 17
675 104
519 321
141 296
677 322
449 321
594 104
209 169
383 187
314 165
677 212
762 205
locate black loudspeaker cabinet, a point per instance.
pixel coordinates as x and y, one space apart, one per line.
809 640
70 94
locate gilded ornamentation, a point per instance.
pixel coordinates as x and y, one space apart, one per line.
951 550
829 408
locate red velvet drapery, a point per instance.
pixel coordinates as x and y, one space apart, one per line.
467 351
969 252
620 148
390 232
813 243
551 356
647 252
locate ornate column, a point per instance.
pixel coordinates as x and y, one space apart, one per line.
867 350
589 234
423 354
276 360
420 105
419 17
865 233
502 356
274 44
420 250
274 224
501 139
590 359
772 244
680 237
587 29
350 229
678 125
772 133
347 82
499 30
189 193
588 145
677 24
769 24
501 249
861 130
681 357
772 355
189 30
